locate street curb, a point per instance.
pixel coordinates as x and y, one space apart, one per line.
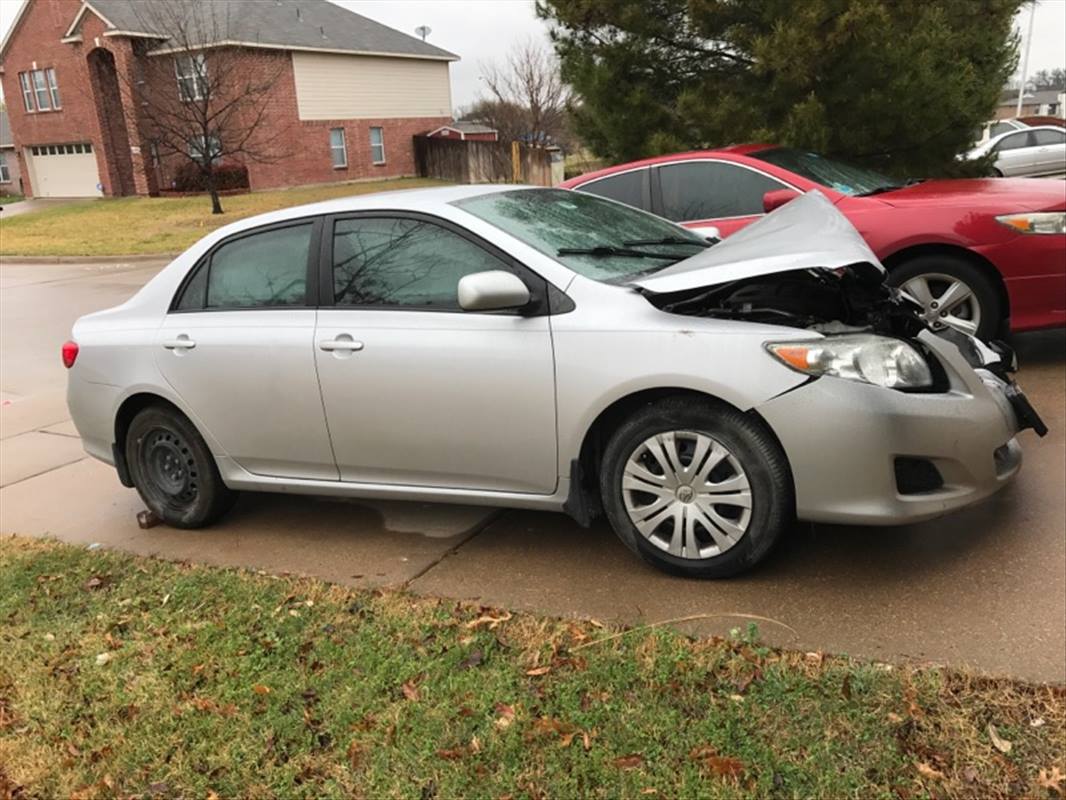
129 259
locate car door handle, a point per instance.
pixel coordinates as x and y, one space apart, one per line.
347 345
183 342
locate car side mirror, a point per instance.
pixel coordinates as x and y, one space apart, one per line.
494 290
777 198
708 232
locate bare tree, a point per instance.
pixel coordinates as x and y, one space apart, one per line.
199 100
529 80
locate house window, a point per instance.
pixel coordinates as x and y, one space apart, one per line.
200 148
40 89
377 145
53 87
337 149
192 76
27 91
5 175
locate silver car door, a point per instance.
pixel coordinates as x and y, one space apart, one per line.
1015 155
237 347
418 392
1050 151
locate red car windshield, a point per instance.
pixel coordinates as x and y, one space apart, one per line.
837 175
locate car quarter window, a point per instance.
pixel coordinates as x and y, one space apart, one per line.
260 270
403 262
1049 137
630 188
712 189
1014 141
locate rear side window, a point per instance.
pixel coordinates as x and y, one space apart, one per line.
630 188
709 189
263 270
1049 137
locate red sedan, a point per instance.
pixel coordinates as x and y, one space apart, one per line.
978 254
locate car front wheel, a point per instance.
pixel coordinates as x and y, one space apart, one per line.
953 293
696 488
173 469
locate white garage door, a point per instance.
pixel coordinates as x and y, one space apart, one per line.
63 170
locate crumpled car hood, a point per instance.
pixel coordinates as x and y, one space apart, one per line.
805 233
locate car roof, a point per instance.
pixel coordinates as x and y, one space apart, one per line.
728 150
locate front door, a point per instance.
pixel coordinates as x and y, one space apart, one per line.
1015 154
238 348
418 392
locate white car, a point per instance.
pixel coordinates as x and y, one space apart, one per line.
548 349
1029 152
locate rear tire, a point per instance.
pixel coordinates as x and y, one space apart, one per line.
173 469
715 456
938 273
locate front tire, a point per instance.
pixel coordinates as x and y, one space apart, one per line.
696 488
173 469
953 293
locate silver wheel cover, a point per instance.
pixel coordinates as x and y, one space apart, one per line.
687 494
946 301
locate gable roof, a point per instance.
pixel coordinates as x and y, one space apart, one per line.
282 24
1031 97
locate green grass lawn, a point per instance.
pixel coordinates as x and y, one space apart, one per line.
130 677
147 225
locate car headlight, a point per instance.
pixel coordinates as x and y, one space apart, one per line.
879 360
1035 222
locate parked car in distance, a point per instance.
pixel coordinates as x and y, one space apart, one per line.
975 253
541 348
995 127
1026 153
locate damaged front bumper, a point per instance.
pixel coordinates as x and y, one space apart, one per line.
864 454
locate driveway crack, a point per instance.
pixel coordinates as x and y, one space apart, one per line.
490 519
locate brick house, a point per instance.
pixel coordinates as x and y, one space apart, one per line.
349 95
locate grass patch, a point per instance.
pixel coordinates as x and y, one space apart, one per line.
147 225
8 199
129 677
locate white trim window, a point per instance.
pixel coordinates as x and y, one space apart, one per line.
5 174
40 90
377 145
53 87
191 72
200 147
27 91
338 150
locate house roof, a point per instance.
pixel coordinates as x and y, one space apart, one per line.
5 131
466 126
1039 96
285 24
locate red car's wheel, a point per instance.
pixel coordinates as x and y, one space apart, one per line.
953 293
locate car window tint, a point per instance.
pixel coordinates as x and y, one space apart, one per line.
1049 137
192 296
264 269
1014 141
629 188
706 190
385 261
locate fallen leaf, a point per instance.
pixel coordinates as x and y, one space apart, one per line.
97 582
1051 780
261 689
472 660
998 742
631 761
506 715
452 754
212 795
410 690
743 683
488 619
475 744
725 767
845 686
74 751
536 671
355 754
894 718
927 771
102 659
1036 723
969 774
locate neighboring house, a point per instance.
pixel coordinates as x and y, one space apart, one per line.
10 176
1040 102
352 93
465 130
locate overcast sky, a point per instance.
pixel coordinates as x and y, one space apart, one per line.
483 31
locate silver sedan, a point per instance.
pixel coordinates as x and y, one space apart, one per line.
1029 152
546 349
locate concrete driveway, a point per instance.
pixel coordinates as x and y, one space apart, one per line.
985 588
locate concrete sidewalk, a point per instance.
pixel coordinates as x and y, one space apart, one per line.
985 588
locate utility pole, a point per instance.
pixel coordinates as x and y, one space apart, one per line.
1025 59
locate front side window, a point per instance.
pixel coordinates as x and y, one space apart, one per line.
338 150
27 91
630 188
710 190
192 76
551 220
393 261
1013 142
377 145
40 89
5 175
53 86
263 270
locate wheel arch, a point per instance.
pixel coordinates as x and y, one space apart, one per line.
902 256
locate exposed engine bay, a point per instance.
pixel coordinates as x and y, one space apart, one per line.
849 299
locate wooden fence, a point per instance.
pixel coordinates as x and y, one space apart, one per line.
472 161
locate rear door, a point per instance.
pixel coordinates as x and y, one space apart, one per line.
1050 155
707 192
238 347
1016 154
417 391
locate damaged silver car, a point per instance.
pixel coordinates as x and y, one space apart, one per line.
546 349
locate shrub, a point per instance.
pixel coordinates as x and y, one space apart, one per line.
189 178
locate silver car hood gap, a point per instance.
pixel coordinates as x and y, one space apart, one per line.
805 233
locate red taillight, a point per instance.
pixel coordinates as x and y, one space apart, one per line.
70 354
